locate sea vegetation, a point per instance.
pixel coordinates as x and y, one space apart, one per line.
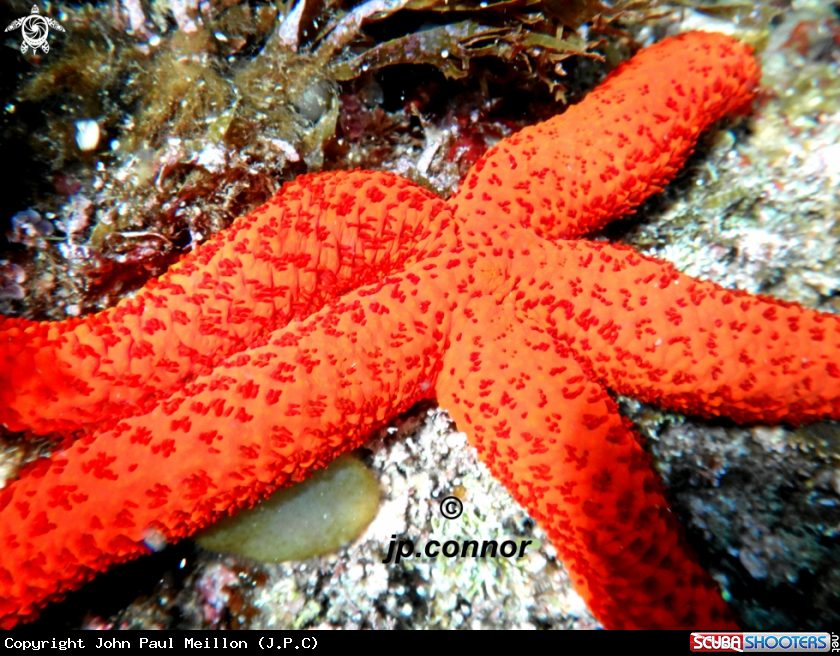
152 124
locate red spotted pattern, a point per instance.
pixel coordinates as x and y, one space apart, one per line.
288 338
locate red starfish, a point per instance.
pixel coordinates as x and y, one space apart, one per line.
285 340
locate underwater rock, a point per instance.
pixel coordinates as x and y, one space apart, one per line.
308 519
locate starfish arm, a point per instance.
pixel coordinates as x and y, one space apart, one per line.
622 143
321 236
265 418
689 345
557 442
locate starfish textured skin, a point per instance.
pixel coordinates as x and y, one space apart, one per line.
286 339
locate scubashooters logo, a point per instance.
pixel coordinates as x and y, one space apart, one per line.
717 642
760 642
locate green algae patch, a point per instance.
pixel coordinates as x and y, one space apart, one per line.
311 518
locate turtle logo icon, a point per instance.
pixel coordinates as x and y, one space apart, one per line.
35 29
